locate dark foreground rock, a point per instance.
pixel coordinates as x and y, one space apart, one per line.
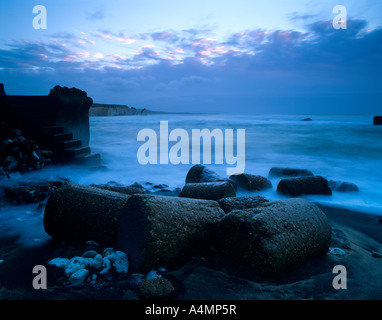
33 192
251 182
304 185
208 190
120 189
377 120
276 172
275 236
343 186
156 231
200 173
156 289
76 213
240 203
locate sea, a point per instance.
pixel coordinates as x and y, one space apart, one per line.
337 147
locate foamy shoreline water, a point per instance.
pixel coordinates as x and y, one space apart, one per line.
344 148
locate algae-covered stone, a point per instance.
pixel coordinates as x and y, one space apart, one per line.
251 182
155 231
208 190
276 235
77 213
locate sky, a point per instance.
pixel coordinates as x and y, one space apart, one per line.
216 56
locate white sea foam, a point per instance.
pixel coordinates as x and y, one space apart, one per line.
345 148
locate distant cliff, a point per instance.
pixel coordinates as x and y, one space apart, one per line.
107 110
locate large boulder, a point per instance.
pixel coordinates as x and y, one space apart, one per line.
304 185
276 172
120 189
239 203
199 173
76 213
274 236
251 182
156 231
377 120
208 190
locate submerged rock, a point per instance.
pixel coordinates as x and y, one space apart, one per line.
275 236
377 120
200 173
304 185
208 190
343 186
251 182
289 172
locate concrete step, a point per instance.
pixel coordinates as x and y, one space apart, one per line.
68 144
74 152
61 137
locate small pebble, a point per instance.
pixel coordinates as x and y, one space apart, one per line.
337 251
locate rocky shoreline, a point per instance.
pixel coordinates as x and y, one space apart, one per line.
150 231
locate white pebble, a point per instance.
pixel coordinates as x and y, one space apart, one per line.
75 264
97 261
59 262
337 251
79 276
152 275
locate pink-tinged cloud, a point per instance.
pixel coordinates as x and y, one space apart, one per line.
98 55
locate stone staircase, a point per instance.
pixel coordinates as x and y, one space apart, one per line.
65 148
58 122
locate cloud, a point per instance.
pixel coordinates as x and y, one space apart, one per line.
96 15
319 69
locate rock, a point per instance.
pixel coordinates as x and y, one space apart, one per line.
156 289
208 190
304 185
152 274
118 259
97 262
65 91
251 182
119 189
343 186
89 254
75 264
200 173
337 252
289 172
79 276
59 262
32 192
2 92
275 236
239 203
307 119
377 120
155 231
76 213
10 163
